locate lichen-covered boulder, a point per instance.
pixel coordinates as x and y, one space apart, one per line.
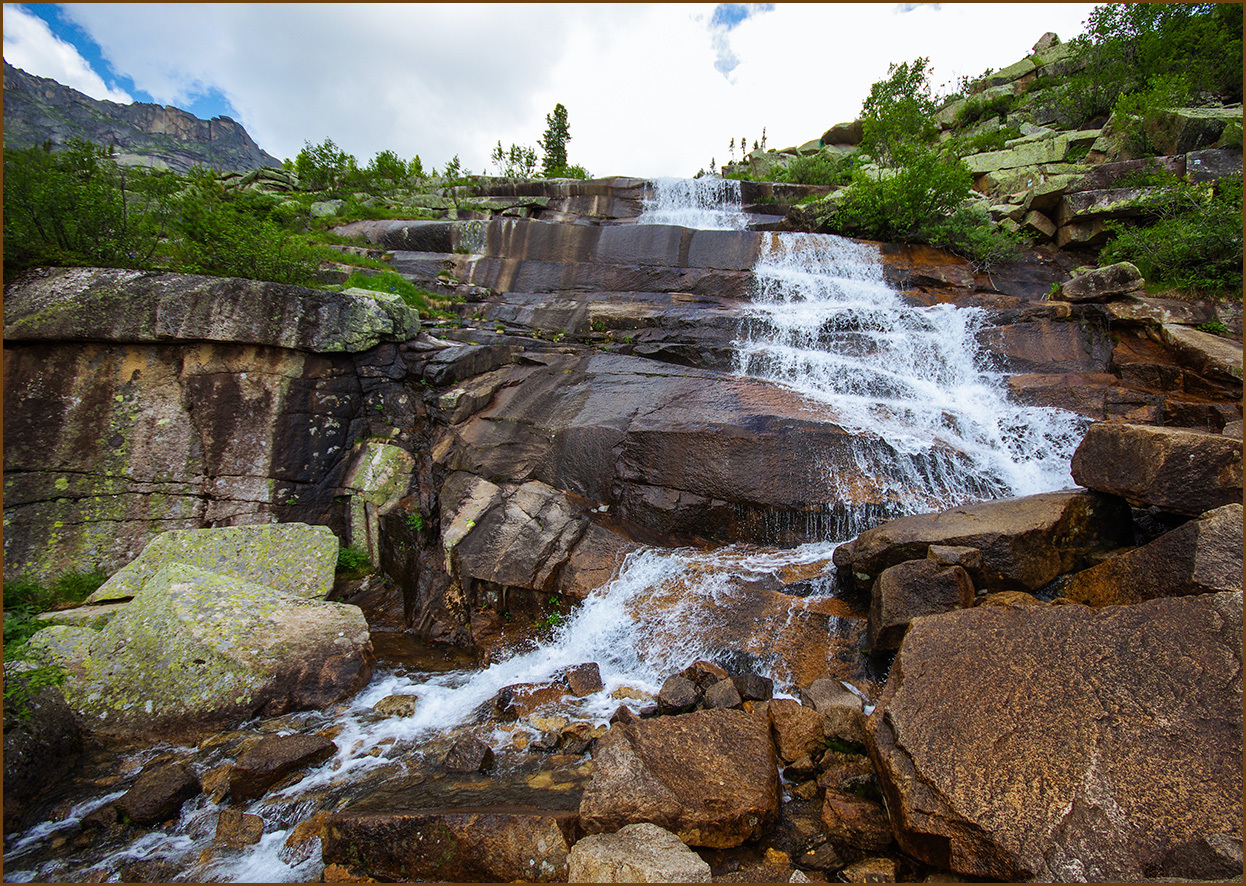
638 853
290 557
196 652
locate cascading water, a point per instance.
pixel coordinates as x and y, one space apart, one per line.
706 203
825 323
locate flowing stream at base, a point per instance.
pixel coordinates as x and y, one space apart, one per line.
824 323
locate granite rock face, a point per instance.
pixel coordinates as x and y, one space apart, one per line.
1111 765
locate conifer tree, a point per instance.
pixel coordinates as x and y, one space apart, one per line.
554 142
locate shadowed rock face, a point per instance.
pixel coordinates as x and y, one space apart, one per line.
1063 743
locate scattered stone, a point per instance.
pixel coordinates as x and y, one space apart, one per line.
159 793
1128 748
797 729
678 695
575 739
396 706
469 755
824 858
1184 471
1103 284
704 674
584 679
711 777
623 714
754 687
271 759
101 819
637 853
723 694
525 699
870 870
856 822
908 590
236 829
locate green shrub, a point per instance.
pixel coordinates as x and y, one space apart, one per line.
1194 241
977 108
571 171
897 117
518 163
388 281
353 562
815 169
78 207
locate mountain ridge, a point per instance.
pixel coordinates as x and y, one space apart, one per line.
40 109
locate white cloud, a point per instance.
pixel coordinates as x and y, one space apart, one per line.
29 44
639 81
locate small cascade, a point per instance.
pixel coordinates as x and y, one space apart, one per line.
825 323
706 203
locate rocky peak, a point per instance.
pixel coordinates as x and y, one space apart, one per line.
38 109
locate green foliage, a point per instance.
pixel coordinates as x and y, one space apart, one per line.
235 234
24 599
572 171
978 108
415 521
815 169
77 207
1133 47
353 562
1215 327
841 746
1140 111
1194 242
518 163
897 117
389 281
323 166
387 167
964 145
554 142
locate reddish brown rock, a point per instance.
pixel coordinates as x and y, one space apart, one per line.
1126 748
1024 542
525 699
1202 556
450 845
469 755
710 776
159 793
272 759
911 589
236 829
855 821
797 729
1184 471
584 679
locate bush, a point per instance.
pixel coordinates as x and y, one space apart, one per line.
77 207
977 108
324 166
897 117
815 169
572 171
518 163
389 281
353 562
1194 242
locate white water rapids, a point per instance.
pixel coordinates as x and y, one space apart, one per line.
825 323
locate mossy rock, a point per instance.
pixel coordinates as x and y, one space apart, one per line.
290 557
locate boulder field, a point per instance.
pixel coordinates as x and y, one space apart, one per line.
1064 701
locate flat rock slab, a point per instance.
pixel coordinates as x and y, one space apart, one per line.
113 304
272 759
710 777
1186 472
453 845
1024 542
195 652
1064 743
290 557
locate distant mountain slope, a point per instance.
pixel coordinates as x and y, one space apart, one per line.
37 109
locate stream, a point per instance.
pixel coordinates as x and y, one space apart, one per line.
824 323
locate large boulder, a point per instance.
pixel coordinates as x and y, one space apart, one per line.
451 845
272 759
159 793
196 652
293 558
1178 470
709 776
1202 556
1103 284
1063 743
1024 542
638 853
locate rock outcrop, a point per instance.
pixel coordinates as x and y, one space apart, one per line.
1124 757
38 109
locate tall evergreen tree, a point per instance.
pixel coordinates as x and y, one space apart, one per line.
554 142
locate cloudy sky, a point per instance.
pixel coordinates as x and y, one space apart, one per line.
650 90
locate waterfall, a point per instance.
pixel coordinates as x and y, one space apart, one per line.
706 203
825 323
